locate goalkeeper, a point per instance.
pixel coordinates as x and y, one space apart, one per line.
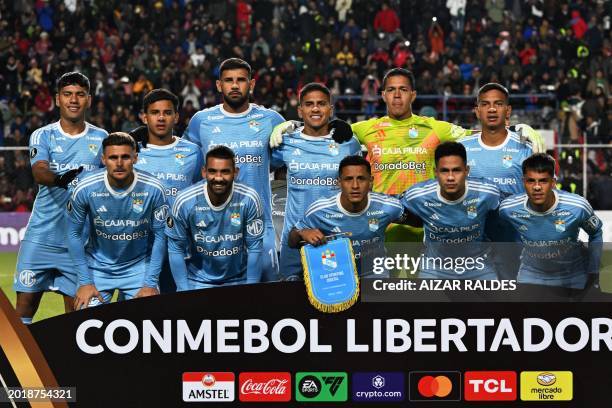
401 145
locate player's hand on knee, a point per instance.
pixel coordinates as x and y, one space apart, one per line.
276 137
84 295
146 291
313 236
340 131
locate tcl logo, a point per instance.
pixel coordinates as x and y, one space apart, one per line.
490 385
271 387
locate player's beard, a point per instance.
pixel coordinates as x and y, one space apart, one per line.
236 103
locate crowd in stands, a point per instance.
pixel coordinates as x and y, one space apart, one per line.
126 48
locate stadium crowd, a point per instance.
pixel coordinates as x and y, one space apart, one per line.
453 46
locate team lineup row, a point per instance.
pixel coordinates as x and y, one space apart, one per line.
221 232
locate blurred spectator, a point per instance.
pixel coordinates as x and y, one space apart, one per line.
370 95
386 19
562 48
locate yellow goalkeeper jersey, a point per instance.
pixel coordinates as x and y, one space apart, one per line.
401 152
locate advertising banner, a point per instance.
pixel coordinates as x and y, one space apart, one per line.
238 345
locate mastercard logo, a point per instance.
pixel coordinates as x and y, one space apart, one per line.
439 386
434 385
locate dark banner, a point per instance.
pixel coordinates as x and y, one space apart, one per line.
265 343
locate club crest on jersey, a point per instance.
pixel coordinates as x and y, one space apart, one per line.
560 225
507 161
333 149
254 125
235 219
138 205
472 212
413 132
179 159
373 224
93 148
328 259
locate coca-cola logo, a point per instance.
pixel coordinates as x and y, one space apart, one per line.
274 386
265 386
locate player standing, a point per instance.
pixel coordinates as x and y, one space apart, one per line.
548 221
220 223
354 211
58 153
496 154
174 161
453 209
312 159
401 145
126 211
245 128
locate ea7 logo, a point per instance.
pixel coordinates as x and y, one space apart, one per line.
334 383
255 228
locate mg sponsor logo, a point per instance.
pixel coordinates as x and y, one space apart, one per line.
378 386
269 387
490 385
208 387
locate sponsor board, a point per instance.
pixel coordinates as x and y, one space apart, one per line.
547 386
378 387
208 386
264 387
321 387
490 386
434 386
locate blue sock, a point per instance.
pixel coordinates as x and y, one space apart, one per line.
26 320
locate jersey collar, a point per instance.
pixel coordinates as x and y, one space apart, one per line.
313 138
83 133
236 115
457 201
165 147
539 214
499 147
120 193
346 212
222 206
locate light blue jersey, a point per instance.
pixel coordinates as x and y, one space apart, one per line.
312 173
248 135
499 165
454 230
63 152
552 254
225 241
366 229
43 262
177 165
127 243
